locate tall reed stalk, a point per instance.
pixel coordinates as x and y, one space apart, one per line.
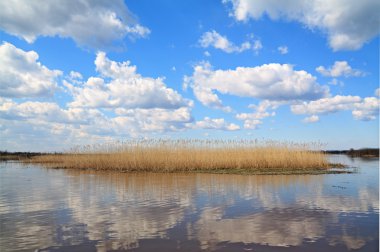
192 155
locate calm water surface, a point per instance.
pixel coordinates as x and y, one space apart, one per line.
65 210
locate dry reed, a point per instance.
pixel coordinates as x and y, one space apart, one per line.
193 156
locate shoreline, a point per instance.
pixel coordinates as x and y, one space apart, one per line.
364 153
334 168
166 159
331 168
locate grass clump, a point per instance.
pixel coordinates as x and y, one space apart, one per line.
216 156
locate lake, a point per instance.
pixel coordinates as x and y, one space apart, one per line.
67 210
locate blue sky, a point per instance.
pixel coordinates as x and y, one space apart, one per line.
88 72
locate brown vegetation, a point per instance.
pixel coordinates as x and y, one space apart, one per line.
194 156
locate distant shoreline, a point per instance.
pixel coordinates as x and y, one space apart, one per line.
248 161
5 155
365 152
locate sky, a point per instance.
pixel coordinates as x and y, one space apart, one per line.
96 71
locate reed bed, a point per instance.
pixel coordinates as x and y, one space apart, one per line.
193 156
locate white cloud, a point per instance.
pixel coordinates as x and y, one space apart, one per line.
75 75
269 81
208 98
122 86
47 112
214 39
326 105
207 54
91 23
48 122
217 123
367 110
44 126
22 75
348 24
335 82
118 103
311 119
253 120
252 123
340 68
140 120
283 49
362 109
34 135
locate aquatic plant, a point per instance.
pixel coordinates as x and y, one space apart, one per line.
194 155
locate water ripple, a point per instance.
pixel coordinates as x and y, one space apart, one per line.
47 210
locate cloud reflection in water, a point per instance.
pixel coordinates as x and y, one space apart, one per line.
69 209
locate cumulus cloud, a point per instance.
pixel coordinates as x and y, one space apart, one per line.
206 96
362 109
269 81
283 49
340 68
253 120
44 126
119 85
326 105
42 120
335 82
75 75
214 39
47 112
22 75
34 135
367 110
140 120
347 24
118 102
97 24
217 123
311 119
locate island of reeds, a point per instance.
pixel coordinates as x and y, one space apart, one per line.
211 156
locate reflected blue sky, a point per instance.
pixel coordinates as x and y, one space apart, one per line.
51 209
